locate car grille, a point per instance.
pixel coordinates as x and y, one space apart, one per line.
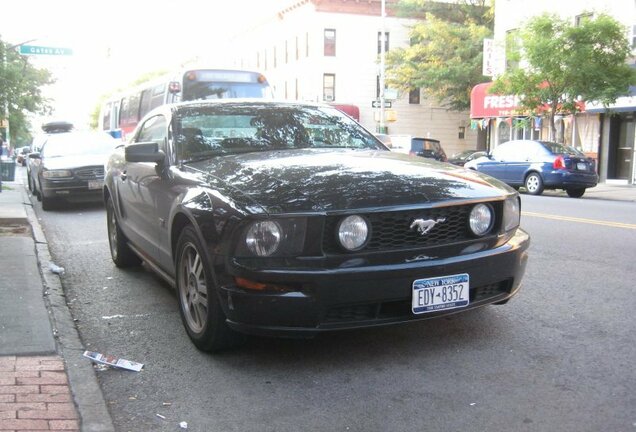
402 308
90 173
391 230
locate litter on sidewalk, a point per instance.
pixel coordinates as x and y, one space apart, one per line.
56 269
113 361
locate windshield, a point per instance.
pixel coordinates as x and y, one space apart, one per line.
78 144
239 128
224 90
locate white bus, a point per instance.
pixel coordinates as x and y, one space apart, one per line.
120 115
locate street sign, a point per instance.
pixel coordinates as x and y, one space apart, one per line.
42 50
376 104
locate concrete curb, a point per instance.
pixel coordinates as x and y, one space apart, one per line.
86 392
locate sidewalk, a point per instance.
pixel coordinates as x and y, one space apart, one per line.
45 383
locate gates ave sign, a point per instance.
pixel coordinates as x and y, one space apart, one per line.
42 50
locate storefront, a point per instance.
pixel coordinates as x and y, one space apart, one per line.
617 132
497 118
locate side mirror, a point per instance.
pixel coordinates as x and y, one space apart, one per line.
144 152
35 155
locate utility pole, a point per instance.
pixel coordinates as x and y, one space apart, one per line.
382 66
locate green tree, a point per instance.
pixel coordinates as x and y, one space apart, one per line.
445 55
558 64
21 90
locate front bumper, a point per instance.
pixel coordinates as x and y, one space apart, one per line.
73 189
366 296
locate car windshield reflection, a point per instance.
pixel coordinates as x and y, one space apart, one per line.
204 132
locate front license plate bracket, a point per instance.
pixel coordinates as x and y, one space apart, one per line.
440 293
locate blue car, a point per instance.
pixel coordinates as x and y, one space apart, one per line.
539 165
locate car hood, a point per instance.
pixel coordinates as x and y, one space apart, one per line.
71 162
327 180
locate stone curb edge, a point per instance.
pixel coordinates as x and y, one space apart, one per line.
85 389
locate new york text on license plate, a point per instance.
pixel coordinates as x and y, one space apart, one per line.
440 293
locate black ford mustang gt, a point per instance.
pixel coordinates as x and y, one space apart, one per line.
290 219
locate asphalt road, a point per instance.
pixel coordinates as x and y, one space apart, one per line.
559 357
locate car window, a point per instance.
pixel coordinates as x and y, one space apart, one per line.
505 152
154 130
202 132
556 148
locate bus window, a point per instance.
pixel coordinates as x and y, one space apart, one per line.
220 84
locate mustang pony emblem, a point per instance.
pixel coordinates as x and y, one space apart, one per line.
424 226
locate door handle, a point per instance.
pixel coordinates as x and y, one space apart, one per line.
123 176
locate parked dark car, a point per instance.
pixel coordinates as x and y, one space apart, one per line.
539 165
70 166
428 148
461 158
289 219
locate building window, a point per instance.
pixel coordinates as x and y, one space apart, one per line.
306 44
275 60
296 88
265 59
386 42
329 87
461 134
513 45
580 19
258 60
297 49
633 36
330 42
286 94
286 52
414 96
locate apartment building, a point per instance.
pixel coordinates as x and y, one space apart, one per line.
329 50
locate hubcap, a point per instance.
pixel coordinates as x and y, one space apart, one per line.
193 288
112 231
532 184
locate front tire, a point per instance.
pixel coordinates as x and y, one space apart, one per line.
47 203
120 252
199 305
534 184
575 193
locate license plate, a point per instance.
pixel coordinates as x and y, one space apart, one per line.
95 184
581 166
440 293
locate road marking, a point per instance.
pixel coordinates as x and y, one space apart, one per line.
580 220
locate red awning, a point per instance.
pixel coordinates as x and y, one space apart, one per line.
483 104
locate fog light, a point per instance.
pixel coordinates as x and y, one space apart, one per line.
481 219
353 232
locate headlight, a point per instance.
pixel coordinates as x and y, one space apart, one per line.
353 232
481 219
56 174
263 238
512 213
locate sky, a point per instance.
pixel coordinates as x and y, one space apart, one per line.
116 41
